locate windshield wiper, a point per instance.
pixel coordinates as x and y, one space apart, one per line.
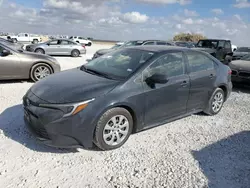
95 72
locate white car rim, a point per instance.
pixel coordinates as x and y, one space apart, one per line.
217 102
116 130
41 72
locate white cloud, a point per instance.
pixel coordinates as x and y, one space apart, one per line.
217 11
242 4
190 13
237 16
188 21
105 19
135 17
181 2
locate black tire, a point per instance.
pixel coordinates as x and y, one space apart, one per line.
40 51
104 119
75 53
209 109
35 41
34 69
89 44
77 41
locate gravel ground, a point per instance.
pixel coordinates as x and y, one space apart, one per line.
197 151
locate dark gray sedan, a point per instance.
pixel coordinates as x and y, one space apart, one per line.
123 92
58 47
17 64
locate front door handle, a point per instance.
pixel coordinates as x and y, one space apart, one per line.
211 76
184 83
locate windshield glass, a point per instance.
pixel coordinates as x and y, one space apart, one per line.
132 43
120 63
246 57
116 46
243 49
207 44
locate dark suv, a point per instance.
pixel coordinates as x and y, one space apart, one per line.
131 43
219 48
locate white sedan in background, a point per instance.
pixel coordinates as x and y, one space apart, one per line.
81 40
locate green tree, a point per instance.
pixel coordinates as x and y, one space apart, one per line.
190 37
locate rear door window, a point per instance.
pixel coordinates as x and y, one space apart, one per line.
199 62
161 43
149 43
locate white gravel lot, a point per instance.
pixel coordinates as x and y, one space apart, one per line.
197 151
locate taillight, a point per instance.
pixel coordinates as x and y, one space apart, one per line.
83 45
229 71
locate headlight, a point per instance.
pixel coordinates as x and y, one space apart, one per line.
68 109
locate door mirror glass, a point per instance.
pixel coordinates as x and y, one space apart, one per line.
157 78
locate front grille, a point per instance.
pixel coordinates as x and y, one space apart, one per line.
33 119
244 74
236 57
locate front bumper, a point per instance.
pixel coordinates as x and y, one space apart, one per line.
50 128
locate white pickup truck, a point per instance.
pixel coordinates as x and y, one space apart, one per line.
25 37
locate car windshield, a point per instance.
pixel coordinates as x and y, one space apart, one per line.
132 43
207 44
246 57
243 49
119 64
116 46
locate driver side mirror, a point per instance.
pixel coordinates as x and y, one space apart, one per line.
48 44
6 52
157 79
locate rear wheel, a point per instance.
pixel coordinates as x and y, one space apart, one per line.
75 53
14 40
40 71
113 129
40 51
35 41
216 102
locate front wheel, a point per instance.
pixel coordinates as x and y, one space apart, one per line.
215 102
89 44
113 129
40 71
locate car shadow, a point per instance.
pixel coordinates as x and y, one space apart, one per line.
226 163
16 81
82 55
244 88
12 125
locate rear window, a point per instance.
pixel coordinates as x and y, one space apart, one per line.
243 49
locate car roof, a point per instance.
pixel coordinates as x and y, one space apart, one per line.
216 39
158 48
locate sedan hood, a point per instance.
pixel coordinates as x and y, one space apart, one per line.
240 53
240 65
104 51
38 56
72 86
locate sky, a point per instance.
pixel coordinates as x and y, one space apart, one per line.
129 19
